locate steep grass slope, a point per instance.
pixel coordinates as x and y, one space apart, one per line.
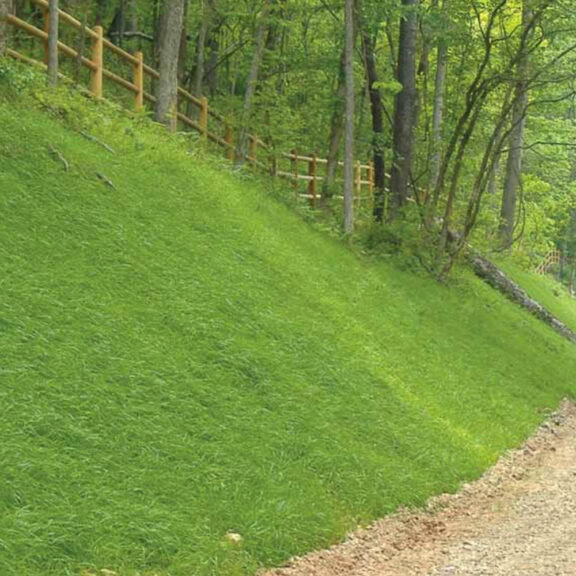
547 291
183 356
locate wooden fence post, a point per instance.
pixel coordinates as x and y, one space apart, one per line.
96 82
273 165
204 118
230 142
294 166
312 181
139 80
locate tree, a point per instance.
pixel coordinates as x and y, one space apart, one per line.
53 43
5 9
336 133
171 21
404 109
251 83
376 107
515 153
183 53
438 110
350 112
198 76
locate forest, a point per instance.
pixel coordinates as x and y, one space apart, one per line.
465 110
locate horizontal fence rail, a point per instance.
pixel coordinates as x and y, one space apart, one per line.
305 172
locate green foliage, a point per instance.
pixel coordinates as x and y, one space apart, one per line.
183 356
14 77
399 241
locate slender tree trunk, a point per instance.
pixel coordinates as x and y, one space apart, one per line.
125 21
275 25
252 82
438 112
183 50
336 133
512 179
200 68
211 75
349 131
156 19
133 15
404 110
100 9
118 27
437 127
170 32
377 126
198 76
5 9
53 43
494 171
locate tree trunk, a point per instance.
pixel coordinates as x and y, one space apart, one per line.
125 22
336 133
252 82
438 111
169 47
201 42
437 127
5 9
133 15
117 28
53 43
512 179
183 50
100 10
495 170
122 22
377 126
404 110
349 131
198 76
156 24
211 75
275 26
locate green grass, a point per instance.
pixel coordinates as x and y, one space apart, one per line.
184 356
546 290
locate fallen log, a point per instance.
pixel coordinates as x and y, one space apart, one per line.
496 278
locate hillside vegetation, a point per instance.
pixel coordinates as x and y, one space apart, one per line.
184 356
546 290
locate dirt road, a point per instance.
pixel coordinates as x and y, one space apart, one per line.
518 520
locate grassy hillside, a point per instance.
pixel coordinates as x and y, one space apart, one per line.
550 293
183 356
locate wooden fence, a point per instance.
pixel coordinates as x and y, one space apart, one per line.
191 113
553 258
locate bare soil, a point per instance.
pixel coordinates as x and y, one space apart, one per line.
519 519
